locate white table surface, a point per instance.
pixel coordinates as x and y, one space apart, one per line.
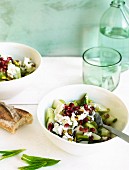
56 72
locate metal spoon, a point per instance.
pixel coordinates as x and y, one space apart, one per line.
111 129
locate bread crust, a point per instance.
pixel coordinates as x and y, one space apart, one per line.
13 118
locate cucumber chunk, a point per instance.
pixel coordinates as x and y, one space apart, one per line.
96 137
84 100
81 137
104 132
108 119
57 103
49 117
90 125
100 108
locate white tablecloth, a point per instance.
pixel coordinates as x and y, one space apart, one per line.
56 72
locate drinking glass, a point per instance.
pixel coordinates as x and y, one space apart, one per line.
102 67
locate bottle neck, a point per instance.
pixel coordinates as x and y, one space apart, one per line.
117 3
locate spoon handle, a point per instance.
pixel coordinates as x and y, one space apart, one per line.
117 132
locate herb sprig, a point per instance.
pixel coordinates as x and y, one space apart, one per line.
36 162
10 153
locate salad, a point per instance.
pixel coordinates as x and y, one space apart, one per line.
75 121
11 69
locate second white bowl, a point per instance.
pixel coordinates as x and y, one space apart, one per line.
9 89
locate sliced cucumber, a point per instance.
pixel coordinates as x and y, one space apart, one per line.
90 125
94 124
84 100
49 117
96 137
100 108
81 137
104 132
108 119
57 103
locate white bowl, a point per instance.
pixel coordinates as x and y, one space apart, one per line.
9 89
74 92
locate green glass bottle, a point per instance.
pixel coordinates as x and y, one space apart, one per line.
114 30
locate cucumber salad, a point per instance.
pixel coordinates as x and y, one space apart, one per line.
11 69
75 121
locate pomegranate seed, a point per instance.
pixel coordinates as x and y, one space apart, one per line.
65 107
86 107
4 64
78 112
69 108
68 113
66 125
71 105
9 58
50 126
76 108
92 130
92 108
80 122
81 128
85 119
85 130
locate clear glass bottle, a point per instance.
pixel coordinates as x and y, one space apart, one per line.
114 30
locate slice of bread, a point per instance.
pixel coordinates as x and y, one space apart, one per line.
12 118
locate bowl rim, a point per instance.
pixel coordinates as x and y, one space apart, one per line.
74 143
29 75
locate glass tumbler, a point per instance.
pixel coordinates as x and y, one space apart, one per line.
102 67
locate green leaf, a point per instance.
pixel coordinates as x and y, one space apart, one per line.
31 159
33 166
84 100
10 153
34 160
51 162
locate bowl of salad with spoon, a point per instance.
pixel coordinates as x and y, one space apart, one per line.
68 117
